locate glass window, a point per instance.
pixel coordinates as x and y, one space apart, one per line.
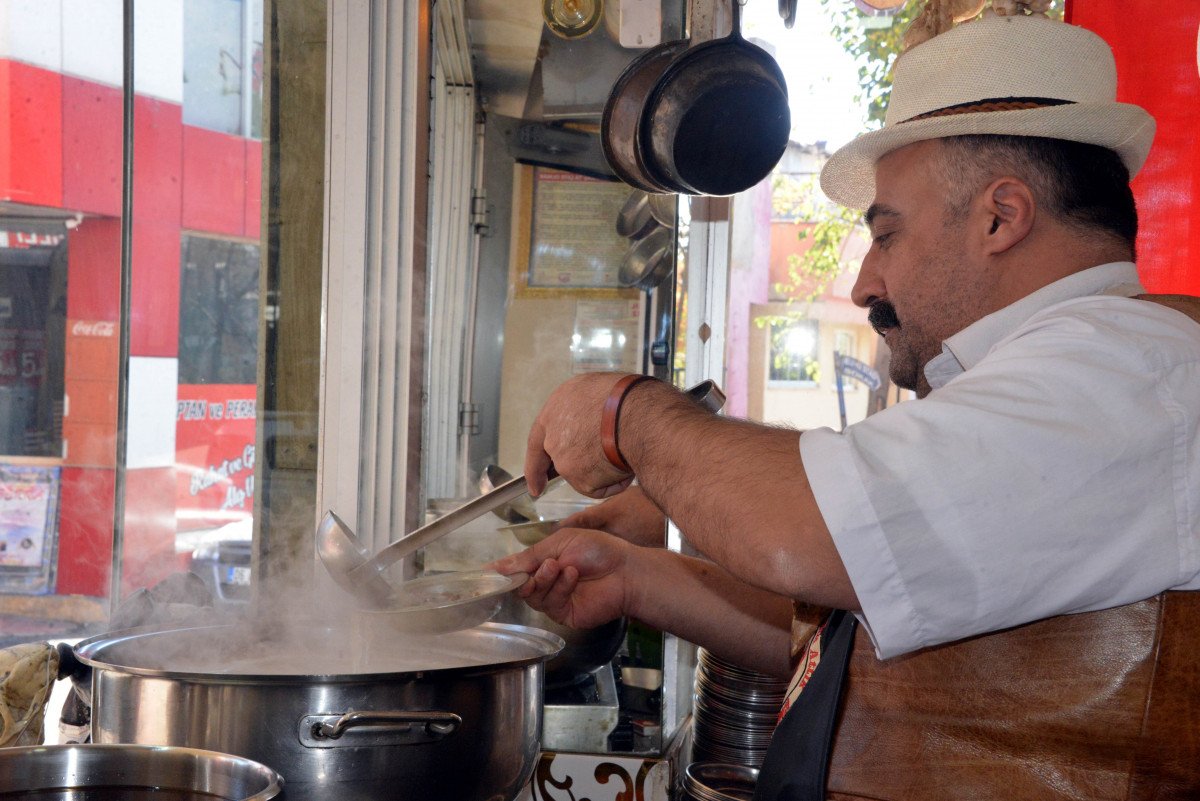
845 343
33 286
185 480
218 314
794 352
213 55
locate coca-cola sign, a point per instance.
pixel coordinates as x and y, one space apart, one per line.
93 328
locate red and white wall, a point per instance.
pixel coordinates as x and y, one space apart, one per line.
1157 48
60 148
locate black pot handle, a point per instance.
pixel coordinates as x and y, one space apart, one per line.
69 666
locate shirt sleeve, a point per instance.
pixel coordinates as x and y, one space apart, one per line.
1045 480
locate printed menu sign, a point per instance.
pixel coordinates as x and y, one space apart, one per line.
575 242
28 512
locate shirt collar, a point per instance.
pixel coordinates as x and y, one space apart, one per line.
964 350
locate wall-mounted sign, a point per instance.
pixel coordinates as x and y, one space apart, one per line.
574 241
606 336
28 527
850 367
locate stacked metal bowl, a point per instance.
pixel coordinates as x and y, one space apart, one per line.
714 781
735 712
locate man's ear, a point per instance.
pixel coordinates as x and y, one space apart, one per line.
1010 209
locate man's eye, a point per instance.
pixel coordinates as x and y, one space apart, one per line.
882 239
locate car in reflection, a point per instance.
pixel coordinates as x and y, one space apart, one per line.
221 557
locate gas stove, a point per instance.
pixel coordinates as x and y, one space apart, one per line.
581 716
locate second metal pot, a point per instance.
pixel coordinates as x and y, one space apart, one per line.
585 649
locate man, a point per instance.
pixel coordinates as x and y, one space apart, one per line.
1051 465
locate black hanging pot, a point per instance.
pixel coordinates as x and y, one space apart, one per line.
717 120
623 113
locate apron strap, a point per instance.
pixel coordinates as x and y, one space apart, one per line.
797 760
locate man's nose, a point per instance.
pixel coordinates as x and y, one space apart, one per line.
868 287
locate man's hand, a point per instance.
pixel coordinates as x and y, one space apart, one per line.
631 515
577 577
566 435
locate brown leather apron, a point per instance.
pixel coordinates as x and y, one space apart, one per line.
1102 706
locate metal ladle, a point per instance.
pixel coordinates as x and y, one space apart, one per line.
520 509
359 573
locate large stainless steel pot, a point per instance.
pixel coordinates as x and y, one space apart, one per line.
340 714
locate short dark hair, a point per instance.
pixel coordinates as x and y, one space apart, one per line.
1086 186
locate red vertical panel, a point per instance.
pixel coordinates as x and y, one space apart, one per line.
253 223
31 110
91 147
85 531
149 544
157 160
94 270
1156 52
214 182
93 307
6 129
92 365
154 295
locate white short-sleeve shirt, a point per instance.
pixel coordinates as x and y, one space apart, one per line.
1054 468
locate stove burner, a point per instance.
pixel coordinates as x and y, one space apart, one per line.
583 691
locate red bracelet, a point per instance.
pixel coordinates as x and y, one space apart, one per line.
611 417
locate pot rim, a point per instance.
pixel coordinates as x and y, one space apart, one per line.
90 652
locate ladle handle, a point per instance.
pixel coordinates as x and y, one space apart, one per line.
443 525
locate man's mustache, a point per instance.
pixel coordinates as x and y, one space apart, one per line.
883 317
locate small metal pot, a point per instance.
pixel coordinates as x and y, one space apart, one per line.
408 718
649 261
642 212
131 772
622 116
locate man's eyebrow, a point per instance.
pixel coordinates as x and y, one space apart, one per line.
878 210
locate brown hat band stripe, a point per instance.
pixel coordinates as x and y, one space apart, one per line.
992 104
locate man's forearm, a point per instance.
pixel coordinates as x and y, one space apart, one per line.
737 490
702 603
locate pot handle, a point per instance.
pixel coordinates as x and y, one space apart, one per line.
377 728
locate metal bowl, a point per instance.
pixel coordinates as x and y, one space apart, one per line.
132 773
649 261
445 602
531 532
717 781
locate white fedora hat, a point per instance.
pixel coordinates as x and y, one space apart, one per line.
1023 76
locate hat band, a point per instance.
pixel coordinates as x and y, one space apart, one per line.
991 104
